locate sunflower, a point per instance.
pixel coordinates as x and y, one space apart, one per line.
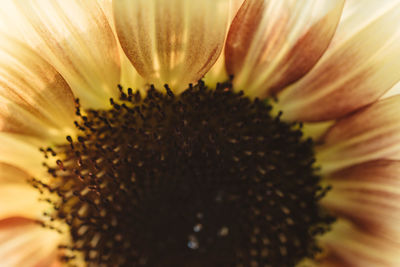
199 133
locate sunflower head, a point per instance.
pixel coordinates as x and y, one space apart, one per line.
197 178
199 133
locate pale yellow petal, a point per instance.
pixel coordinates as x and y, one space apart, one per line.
370 134
368 195
17 197
76 38
106 6
10 174
18 200
218 72
357 15
395 90
347 245
8 14
34 97
22 152
25 243
129 76
274 43
174 42
358 68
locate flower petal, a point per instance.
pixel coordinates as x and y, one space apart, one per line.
174 42
274 43
76 38
357 15
17 197
129 76
371 133
346 245
395 90
218 72
355 71
34 98
10 174
20 200
368 195
25 243
22 152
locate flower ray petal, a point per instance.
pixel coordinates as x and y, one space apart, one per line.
76 38
370 134
274 43
22 152
25 243
35 99
17 197
395 90
10 174
356 70
346 245
22 200
368 195
218 72
129 76
174 42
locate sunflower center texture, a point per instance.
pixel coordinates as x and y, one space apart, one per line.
204 178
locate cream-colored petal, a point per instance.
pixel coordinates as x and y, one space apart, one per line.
76 38
347 245
218 71
17 197
274 43
10 174
357 15
368 195
395 90
34 98
22 152
52 260
369 134
358 68
174 42
129 76
25 243
106 6
21 200
8 15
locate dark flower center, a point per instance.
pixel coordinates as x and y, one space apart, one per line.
204 178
